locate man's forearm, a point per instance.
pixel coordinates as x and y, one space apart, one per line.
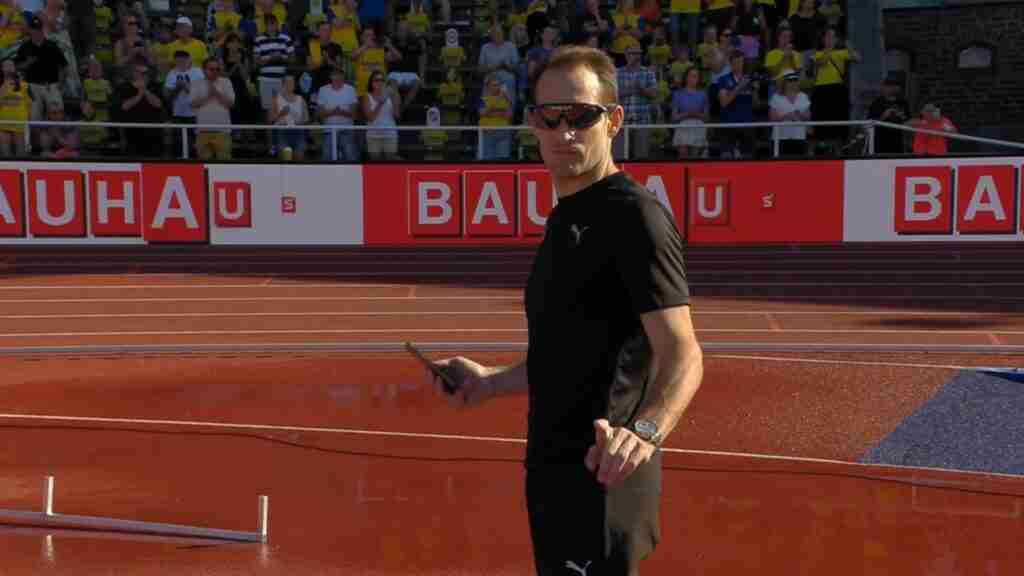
508 380
676 381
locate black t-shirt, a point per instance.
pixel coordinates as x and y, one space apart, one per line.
144 111
48 62
806 31
611 252
889 140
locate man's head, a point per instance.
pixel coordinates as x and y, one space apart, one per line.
785 37
493 85
323 33
369 37
497 34
212 68
183 28
634 57
140 71
337 77
35 29
182 60
791 83
736 60
550 36
575 113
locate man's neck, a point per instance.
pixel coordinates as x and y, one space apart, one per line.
570 186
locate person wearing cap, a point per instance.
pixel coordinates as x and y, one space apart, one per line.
195 47
931 119
44 66
891 107
178 91
790 105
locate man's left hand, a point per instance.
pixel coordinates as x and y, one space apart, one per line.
616 453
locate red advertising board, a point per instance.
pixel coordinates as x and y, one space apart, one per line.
115 203
12 205
764 202
923 197
174 203
986 199
56 203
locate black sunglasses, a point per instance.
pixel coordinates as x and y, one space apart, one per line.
577 115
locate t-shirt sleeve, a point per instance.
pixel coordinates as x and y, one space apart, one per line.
650 259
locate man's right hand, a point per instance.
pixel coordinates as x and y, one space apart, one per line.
472 379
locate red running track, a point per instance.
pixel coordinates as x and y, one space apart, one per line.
370 472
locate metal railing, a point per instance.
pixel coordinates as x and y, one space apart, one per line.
330 132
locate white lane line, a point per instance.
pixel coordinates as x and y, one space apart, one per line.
256 314
840 362
248 299
237 286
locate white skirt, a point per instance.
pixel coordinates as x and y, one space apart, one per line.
697 136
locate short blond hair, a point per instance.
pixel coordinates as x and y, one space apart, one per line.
593 59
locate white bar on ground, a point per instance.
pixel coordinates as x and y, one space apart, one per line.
48 496
261 524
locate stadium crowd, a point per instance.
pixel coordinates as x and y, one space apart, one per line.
385 64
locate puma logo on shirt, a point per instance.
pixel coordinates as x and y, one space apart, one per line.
576 567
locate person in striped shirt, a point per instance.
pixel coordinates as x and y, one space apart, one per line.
273 53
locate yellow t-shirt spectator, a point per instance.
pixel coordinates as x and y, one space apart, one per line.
720 4
659 55
434 141
345 31
224 20
775 61
195 48
453 56
830 66
104 45
278 10
15 105
13 32
163 56
98 92
495 107
664 91
515 19
684 7
677 71
368 61
418 22
624 41
451 95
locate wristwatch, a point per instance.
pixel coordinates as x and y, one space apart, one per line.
647 431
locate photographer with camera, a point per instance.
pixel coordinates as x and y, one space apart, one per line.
890 107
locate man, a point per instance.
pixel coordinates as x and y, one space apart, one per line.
183 40
273 52
43 64
500 57
893 108
140 102
212 99
737 96
931 119
612 360
178 91
337 104
638 86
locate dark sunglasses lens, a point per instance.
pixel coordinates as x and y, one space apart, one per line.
580 117
577 116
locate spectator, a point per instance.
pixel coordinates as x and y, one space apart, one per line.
289 109
500 58
212 99
96 103
783 57
141 103
690 108
832 12
791 105
370 58
452 95
184 41
333 57
627 32
831 98
381 105
237 67
417 20
58 142
317 48
265 8
890 107
434 138
225 19
749 27
721 13
44 66
273 52
737 96
931 119
411 67
495 109
129 49
12 25
517 33
659 53
178 90
679 67
770 14
596 22
337 104
104 45
345 26
161 50
685 13
538 17
806 24
15 104
637 87
707 55
452 55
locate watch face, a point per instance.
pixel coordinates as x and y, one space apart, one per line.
645 429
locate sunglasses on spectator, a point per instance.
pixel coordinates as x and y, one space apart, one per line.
577 115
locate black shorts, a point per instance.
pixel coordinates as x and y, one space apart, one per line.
580 527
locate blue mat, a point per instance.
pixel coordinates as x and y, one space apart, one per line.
975 422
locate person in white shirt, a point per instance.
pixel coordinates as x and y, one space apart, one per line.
337 104
382 105
212 99
178 91
289 109
790 105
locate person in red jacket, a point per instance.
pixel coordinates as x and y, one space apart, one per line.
931 119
